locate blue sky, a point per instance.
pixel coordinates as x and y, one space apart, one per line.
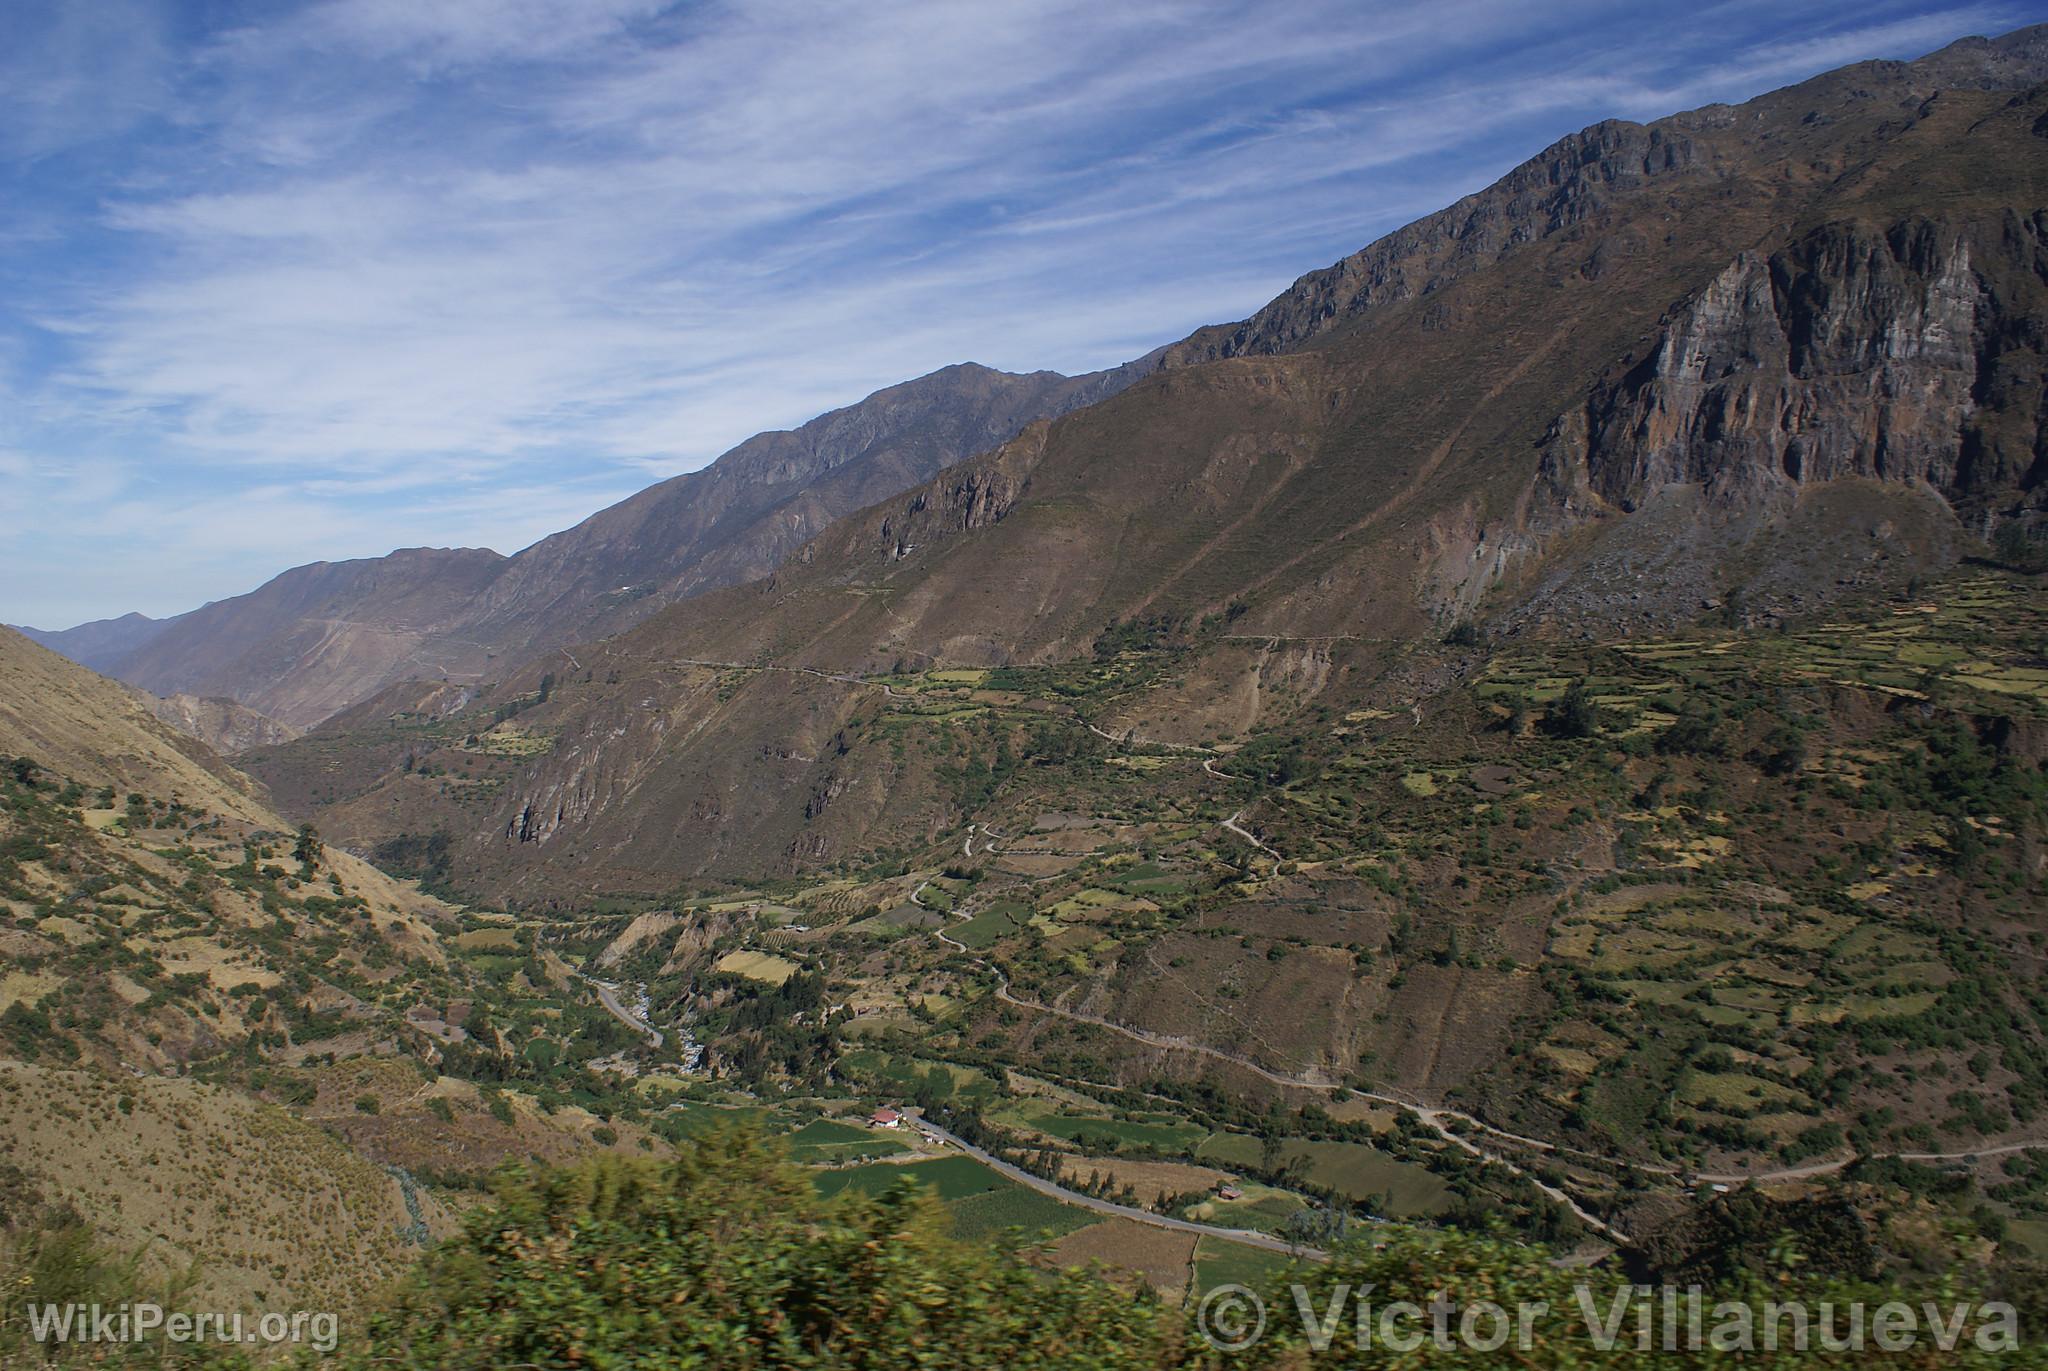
286 283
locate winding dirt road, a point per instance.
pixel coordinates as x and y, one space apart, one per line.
1434 1118
1439 1118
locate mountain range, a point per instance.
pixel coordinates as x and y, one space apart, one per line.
319 638
1741 361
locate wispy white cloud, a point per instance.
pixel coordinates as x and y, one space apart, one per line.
370 272
74 73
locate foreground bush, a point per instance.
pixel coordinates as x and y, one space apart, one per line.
727 1259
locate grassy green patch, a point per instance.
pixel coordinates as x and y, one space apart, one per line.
999 920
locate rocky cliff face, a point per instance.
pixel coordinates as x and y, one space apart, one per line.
223 725
1855 353
975 496
1560 187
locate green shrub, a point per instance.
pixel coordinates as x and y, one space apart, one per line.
727 1258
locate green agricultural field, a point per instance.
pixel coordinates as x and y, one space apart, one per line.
1352 1169
1092 900
1735 1091
1011 1206
826 1140
999 920
1356 1171
1230 1149
1218 1261
949 1178
1148 878
689 1117
979 1202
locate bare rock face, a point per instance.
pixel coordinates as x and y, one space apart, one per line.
973 496
1854 354
223 725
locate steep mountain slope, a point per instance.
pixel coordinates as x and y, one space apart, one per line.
1774 375
86 733
740 516
1579 177
72 723
160 923
322 637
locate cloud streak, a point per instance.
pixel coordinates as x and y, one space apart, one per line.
372 272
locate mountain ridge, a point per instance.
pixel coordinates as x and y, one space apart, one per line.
1561 185
757 503
321 637
102 644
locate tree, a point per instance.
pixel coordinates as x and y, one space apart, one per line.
2021 545
1573 714
1695 732
307 851
1783 752
1465 634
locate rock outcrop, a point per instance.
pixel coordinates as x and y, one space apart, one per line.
1856 353
223 725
